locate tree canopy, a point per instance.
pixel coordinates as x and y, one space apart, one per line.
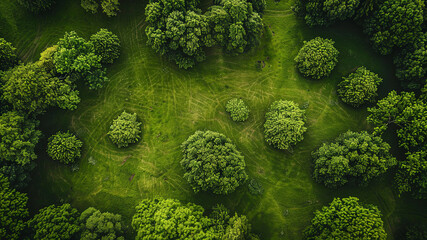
212 162
109 7
64 147
125 130
317 58
346 218
8 58
97 225
106 44
412 174
37 6
238 110
284 125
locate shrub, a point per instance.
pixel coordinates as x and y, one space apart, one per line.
359 88
212 162
8 57
125 130
238 110
284 125
106 45
317 58
64 147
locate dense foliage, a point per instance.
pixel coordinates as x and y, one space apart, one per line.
107 45
317 58
64 147
125 130
13 211
109 7
359 88
346 218
55 222
212 162
97 225
8 57
284 125
412 174
353 157
238 110
37 6
416 233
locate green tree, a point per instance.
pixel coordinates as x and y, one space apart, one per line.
8 58
13 211
106 45
284 125
125 130
18 175
352 157
97 225
55 222
412 174
416 233
212 162
238 110
395 24
37 6
258 5
64 147
317 58
346 218
359 88
109 7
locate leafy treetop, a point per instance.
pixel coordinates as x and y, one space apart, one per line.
64 147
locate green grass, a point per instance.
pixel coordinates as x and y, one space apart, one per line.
173 103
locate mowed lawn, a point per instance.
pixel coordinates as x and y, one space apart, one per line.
173 103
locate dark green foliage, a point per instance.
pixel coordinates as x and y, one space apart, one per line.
13 211
412 174
258 5
359 88
18 175
125 130
37 6
284 125
64 147
106 45
346 218
416 233
317 58
8 57
211 162
395 24
352 157
109 7
238 110
97 225
55 222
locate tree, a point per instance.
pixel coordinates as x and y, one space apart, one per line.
97 225
109 7
13 211
212 162
106 45
359 88
18 175
346 218
64 147
55 222
238 110
258 5
37 6
284 125
412 174
125 130
416 233
317 58
8 58
352 157
395 24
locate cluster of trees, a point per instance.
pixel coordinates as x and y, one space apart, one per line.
238 110
178 30
109 7
125 130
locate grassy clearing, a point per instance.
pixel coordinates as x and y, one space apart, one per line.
173 103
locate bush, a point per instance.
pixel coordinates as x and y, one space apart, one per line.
346 218
97 225
36 6
212 162
317 58
359 88
284 125
64 147
8 58
238 110
125 130
106 45
356 157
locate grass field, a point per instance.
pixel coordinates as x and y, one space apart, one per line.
173 103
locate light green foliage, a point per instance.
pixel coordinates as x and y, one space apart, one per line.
284 125
238 110
317 58
346 218
8 57
18 137
55 222
395 24
97 225
359 88
412 174
106 45
212 163
109 7
13 211
90 5
64 147
37 6
46 59
352 157
125 130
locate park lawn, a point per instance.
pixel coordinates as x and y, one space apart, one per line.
173 103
